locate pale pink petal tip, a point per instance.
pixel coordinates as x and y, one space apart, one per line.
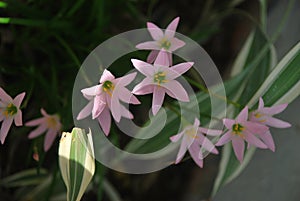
6 124
107 75
18 99
243 116
155 31
49 139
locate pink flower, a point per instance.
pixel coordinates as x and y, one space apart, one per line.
49 123
106 97
162 41
263 115
194 141
240 130
160 79
9 112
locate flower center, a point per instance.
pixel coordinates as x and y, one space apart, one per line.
164 43
10 110
159 78
108 87
51 122
258 116
191 132
237 129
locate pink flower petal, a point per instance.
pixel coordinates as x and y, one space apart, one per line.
170 58
277 123
49 139
260 103
171 29
274 109
90 91
176 44
105 121
155 31
243 116
5 97
224 139
228 123
251 139
86 111
196 123
268 140
255 128
211 132
126 96
6 124
177 90
208 145
145 90
143 67
162 59
107 99
44 113
18 118
125 80
140 88
158 98
38 131
152 56
181 68
182 151
1 117
176 137
125 112
35 122
115 108
194 150
238 147
18 99
99 105
106 76
149 45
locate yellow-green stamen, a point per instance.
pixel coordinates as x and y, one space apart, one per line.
108 87
159 78
164 43
192 133
259 115
10 110
51 122
237 129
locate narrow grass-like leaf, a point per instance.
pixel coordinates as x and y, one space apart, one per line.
230 167
281 86
24 178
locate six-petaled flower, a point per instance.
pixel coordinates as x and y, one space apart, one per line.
263 115
160 79
193 139
9 112
241 130
164 42
48 123
106 97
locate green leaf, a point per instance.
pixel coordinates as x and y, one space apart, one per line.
24 178
258 70
281 86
